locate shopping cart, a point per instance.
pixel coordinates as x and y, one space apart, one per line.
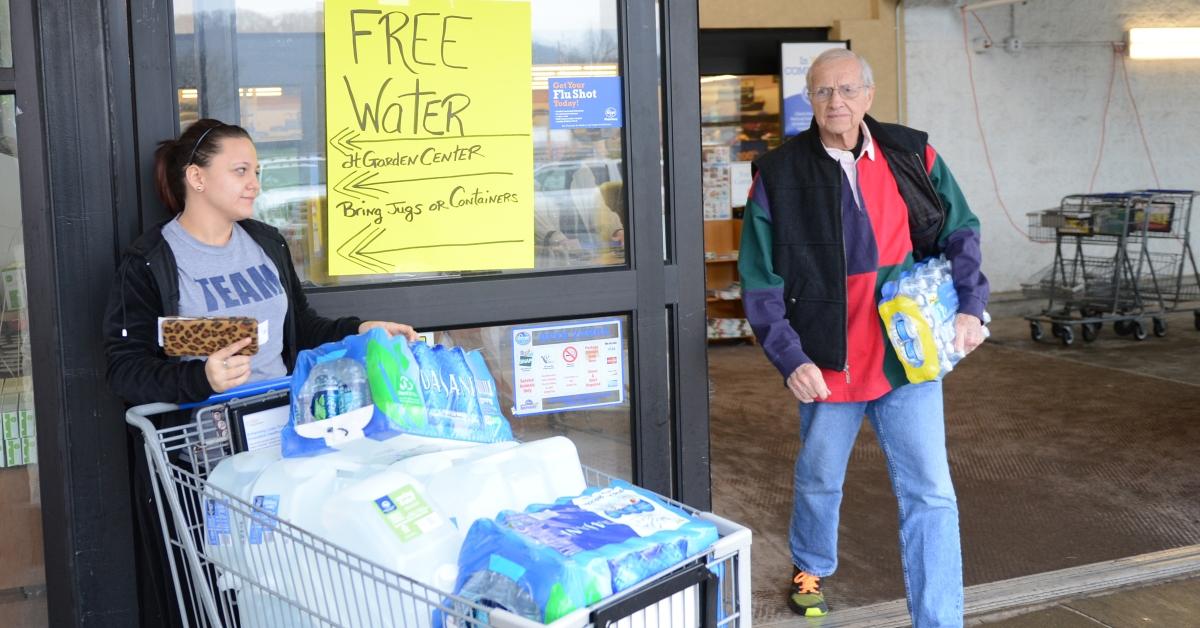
1120 258
307 581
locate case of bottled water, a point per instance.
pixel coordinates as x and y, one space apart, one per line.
918 312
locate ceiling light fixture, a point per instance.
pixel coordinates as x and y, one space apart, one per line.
1164 43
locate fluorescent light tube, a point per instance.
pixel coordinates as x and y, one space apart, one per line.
1164 43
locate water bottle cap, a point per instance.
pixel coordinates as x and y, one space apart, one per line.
888 291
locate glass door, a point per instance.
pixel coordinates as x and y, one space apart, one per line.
22 571
582 326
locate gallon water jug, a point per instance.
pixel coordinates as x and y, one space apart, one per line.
224 522
294 490
405 446
426 463
535 472
389 519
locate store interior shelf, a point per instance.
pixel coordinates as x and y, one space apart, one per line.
749 337
726 316
742 119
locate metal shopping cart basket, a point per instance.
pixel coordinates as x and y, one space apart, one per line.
307 581
1118 257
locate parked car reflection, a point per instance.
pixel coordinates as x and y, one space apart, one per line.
292 189
580 211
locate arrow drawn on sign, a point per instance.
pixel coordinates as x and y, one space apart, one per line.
362 250
348 185
345 142
356 249
361 184
352 249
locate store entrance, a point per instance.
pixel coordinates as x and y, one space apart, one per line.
604 247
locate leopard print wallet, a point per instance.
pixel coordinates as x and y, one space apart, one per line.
181 336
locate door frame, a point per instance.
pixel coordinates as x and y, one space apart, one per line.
79 54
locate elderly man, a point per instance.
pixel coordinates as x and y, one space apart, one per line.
833 214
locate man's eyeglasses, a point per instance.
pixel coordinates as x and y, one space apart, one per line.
848 92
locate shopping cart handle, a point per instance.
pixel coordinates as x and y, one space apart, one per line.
245 390
137 417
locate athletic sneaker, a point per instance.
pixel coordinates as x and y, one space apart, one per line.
805 597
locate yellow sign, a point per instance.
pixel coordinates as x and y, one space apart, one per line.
428 122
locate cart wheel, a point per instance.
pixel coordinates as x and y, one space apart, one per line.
1160 327
1123 327
1066 335
1090 331
1139 330
1035 328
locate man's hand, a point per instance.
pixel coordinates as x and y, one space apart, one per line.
394 329
807 383
968 333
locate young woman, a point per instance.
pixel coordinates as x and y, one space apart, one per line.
212 259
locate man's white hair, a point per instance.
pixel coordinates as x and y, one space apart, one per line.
836 54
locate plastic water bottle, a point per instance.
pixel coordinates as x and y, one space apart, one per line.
333 388
326 392
322 388
354 390
500 591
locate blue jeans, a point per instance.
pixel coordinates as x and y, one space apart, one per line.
910 427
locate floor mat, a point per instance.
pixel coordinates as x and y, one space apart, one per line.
1057 463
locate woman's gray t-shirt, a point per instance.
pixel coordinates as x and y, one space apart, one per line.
237 279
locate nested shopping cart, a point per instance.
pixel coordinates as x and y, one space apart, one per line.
1121 258
302 580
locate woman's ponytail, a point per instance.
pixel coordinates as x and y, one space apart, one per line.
168 175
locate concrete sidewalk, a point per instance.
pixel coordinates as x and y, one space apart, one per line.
1170 604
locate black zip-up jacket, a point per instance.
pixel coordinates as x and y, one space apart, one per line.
147 287
808 250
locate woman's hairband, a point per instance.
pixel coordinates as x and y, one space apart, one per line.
197 146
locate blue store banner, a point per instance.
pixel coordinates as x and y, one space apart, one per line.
592 102
796 59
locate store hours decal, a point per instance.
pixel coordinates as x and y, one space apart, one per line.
430 158
568 366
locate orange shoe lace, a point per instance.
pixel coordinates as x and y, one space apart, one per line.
807 583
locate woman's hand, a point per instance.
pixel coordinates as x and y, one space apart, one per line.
395 329
226 370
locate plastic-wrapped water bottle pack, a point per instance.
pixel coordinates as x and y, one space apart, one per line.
378 386
551 559
918 312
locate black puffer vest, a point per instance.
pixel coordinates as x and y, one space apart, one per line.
803 186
